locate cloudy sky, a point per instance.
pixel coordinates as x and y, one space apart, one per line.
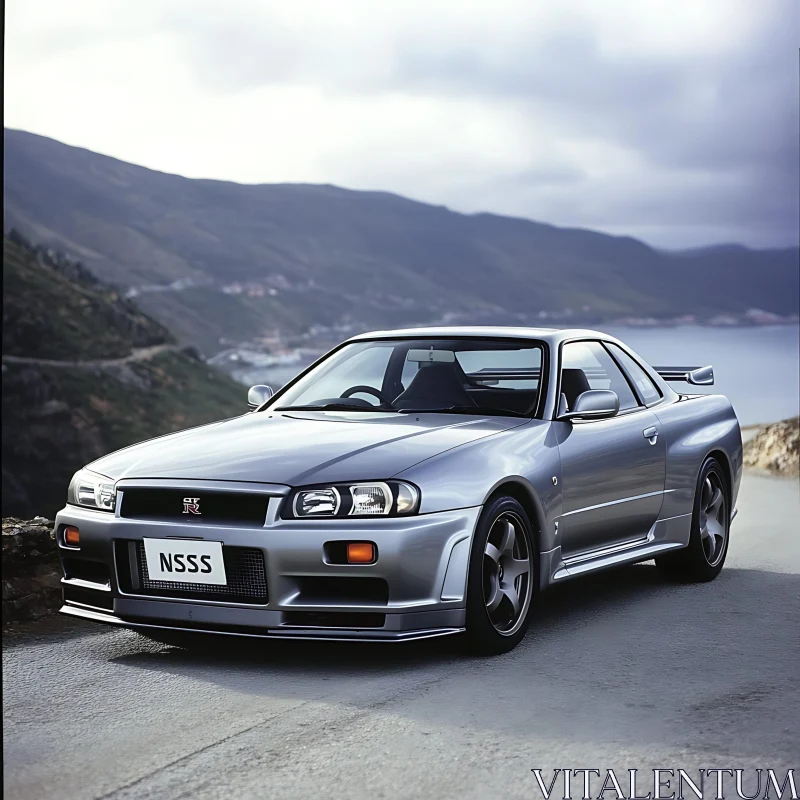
674 121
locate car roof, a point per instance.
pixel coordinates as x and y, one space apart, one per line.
552 336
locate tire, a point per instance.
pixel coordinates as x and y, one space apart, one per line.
503 565
703 558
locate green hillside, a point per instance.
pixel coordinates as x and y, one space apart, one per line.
256 257
59 416
55 309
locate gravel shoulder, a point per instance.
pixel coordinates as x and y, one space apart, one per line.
618 671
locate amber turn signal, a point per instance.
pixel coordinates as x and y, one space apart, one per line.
360 553
72 536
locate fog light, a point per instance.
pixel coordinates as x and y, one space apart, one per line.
360 553
72 536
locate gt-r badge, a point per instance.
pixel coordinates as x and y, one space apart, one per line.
191 505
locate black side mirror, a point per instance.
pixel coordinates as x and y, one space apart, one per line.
594 404
258 395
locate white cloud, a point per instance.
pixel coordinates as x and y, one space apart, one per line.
619 116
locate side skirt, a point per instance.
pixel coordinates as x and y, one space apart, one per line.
665 535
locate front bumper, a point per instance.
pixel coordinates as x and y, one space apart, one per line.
422 561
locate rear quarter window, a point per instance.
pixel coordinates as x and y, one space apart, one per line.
648 391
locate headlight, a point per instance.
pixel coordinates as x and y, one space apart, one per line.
319 502
91 491
376 499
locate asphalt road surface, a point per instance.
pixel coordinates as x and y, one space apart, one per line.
618 671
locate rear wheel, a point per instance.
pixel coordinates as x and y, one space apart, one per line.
502 578
702 560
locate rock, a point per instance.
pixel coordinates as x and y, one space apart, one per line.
776 448
31 571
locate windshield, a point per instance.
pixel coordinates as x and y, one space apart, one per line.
457 376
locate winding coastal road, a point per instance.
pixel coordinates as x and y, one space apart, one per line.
618 671
138 354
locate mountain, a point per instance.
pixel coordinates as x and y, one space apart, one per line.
215 259
85 372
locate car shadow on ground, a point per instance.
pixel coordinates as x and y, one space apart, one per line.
555 606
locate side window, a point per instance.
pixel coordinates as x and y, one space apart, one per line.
587 365
647 389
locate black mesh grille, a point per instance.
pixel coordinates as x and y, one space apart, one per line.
244 571
191 506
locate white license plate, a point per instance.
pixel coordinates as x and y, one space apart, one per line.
185 561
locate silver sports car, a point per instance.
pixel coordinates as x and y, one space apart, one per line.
409 484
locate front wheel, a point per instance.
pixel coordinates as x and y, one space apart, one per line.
502 578
702 560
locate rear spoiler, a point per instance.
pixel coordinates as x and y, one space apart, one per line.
697 376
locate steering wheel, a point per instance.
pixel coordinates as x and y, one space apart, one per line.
377 393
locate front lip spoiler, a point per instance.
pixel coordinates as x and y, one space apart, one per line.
317 634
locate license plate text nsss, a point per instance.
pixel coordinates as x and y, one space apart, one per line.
185 561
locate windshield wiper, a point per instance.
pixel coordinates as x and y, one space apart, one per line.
478 412
336 407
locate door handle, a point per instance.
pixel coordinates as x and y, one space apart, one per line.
651 434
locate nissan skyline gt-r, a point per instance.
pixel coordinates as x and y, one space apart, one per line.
409 484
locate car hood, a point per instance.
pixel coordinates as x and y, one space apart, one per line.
300 448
